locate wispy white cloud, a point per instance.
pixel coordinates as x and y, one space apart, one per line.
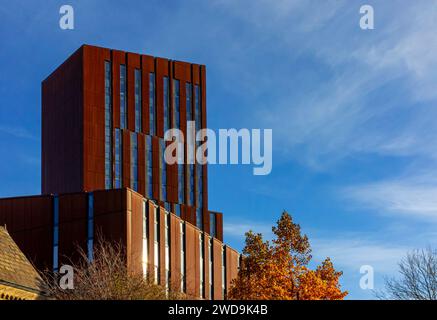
18 132
351 252
237 229
378 96
411 196
328 89
404 54
409 45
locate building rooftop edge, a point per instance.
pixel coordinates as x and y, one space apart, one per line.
84 45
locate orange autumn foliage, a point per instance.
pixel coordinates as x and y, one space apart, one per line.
279 270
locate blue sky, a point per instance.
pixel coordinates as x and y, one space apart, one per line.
353 112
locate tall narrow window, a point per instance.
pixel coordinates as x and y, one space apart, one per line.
138 101
134 161
189 114
201 266
199 189
190 167
149 167
199 196
183 264
145 237
56 234
177 122
223 272
156 246
189 117
163 171
167 250
210 270
90 242
197 109
123 102
191 183
188 104
167 119
199 168
177 108
181 187
199 218
108 126
212 222
188 188
152 105
118 159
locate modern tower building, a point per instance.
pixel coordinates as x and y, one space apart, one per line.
104 115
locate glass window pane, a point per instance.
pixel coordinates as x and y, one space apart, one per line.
134 161
108 125
118 158
163 171
176 93
152 106
123 95
166 99
138 101
149 166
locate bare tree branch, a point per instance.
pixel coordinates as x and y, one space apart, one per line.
417 280
107 278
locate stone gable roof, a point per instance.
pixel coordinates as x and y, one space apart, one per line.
16 271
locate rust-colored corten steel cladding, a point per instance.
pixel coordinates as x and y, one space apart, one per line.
103 110
63 128
29 220
104 116
50 228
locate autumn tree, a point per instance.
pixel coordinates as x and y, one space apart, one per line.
278 269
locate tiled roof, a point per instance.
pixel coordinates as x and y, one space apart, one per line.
15 269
